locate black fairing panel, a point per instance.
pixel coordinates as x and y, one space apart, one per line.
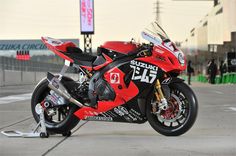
128 112
143 74
134 110
112 54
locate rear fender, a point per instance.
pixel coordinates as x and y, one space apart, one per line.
55 46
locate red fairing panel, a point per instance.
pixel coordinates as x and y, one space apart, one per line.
108 60
163 59
115 77
58 47
63 47
119 46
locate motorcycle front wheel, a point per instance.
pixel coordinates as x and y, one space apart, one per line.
63 119
181 114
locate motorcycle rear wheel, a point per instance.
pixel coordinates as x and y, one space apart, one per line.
184 112
66 120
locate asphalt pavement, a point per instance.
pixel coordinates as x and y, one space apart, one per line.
213 134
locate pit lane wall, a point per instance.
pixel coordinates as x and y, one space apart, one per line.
227 78
11 77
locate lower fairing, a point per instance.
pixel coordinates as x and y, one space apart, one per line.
129 113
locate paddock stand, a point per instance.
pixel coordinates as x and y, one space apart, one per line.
34 134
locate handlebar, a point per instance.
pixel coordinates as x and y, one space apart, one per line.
145 50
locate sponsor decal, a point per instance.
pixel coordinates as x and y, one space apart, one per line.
151 38
166 81
90 113
53 42
144 72
135 114
109 114
99 118
123 112
115 78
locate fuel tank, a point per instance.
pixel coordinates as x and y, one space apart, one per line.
120 46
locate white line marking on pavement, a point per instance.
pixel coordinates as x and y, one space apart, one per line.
232 108
15 98
217 92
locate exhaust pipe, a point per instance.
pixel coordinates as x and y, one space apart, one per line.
64 94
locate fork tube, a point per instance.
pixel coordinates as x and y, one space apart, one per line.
163 102
159 91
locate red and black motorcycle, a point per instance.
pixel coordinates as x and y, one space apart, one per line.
125 82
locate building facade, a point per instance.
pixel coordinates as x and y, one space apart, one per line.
215 34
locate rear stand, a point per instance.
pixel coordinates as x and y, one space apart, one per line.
42 133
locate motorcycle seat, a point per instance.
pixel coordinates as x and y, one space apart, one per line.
79 57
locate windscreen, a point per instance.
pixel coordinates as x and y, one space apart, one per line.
154 33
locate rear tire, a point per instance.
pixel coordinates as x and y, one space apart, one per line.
69 121
186 118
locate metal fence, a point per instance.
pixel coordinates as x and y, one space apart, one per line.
7 63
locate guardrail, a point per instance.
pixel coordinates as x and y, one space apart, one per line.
7 63
16 72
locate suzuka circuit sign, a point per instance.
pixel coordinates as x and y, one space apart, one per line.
87 16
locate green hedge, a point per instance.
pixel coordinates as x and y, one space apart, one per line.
193 78
227 78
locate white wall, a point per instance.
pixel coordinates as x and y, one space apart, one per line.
229 17
202 43
215 26
218 30
220 26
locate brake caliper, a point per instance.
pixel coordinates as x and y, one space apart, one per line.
172 111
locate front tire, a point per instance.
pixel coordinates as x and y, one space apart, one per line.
180 116
66 119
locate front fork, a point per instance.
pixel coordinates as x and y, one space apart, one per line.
161 100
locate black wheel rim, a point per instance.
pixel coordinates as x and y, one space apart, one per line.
61 115
176 117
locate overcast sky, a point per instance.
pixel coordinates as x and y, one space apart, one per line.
114 19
